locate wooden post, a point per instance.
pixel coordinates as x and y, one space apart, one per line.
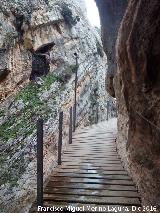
70 126
40 162
60 138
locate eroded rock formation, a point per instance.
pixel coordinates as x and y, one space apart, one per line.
137 91
57 30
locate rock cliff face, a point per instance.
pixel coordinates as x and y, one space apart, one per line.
111 13
42 31
137 91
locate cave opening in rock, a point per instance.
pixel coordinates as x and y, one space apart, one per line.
41 61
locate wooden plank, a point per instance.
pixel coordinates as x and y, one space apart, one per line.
84 158
92 199
90 157
93 137
90 186
95 143
91 171
113 166
90 180
92 150
110 163
97 157
92 147
93 176
95 167
95 152
104 160
101 155
93 192
112 159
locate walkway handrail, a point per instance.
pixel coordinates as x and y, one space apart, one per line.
40 152
40 148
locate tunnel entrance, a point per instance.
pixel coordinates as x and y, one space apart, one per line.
41 61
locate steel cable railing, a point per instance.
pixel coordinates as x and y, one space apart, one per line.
148 121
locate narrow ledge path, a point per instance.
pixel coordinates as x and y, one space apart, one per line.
91 175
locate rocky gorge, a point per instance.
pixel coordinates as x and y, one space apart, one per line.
41 42
38 42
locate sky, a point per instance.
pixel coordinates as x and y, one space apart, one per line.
92 13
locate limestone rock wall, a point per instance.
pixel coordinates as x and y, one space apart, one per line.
138 98
26 27
139 74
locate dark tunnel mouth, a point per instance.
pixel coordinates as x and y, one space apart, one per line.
4 73
40 63
45 48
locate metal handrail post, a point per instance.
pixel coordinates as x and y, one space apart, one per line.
97 116
107 110
70 125
75 94
40 162
60 138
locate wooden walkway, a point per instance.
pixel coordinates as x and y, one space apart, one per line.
92 174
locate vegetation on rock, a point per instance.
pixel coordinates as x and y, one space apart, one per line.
66 75
99 49
68 16
23 121
2 113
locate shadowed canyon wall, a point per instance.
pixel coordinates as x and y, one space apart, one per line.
28 30
137 90
111 13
